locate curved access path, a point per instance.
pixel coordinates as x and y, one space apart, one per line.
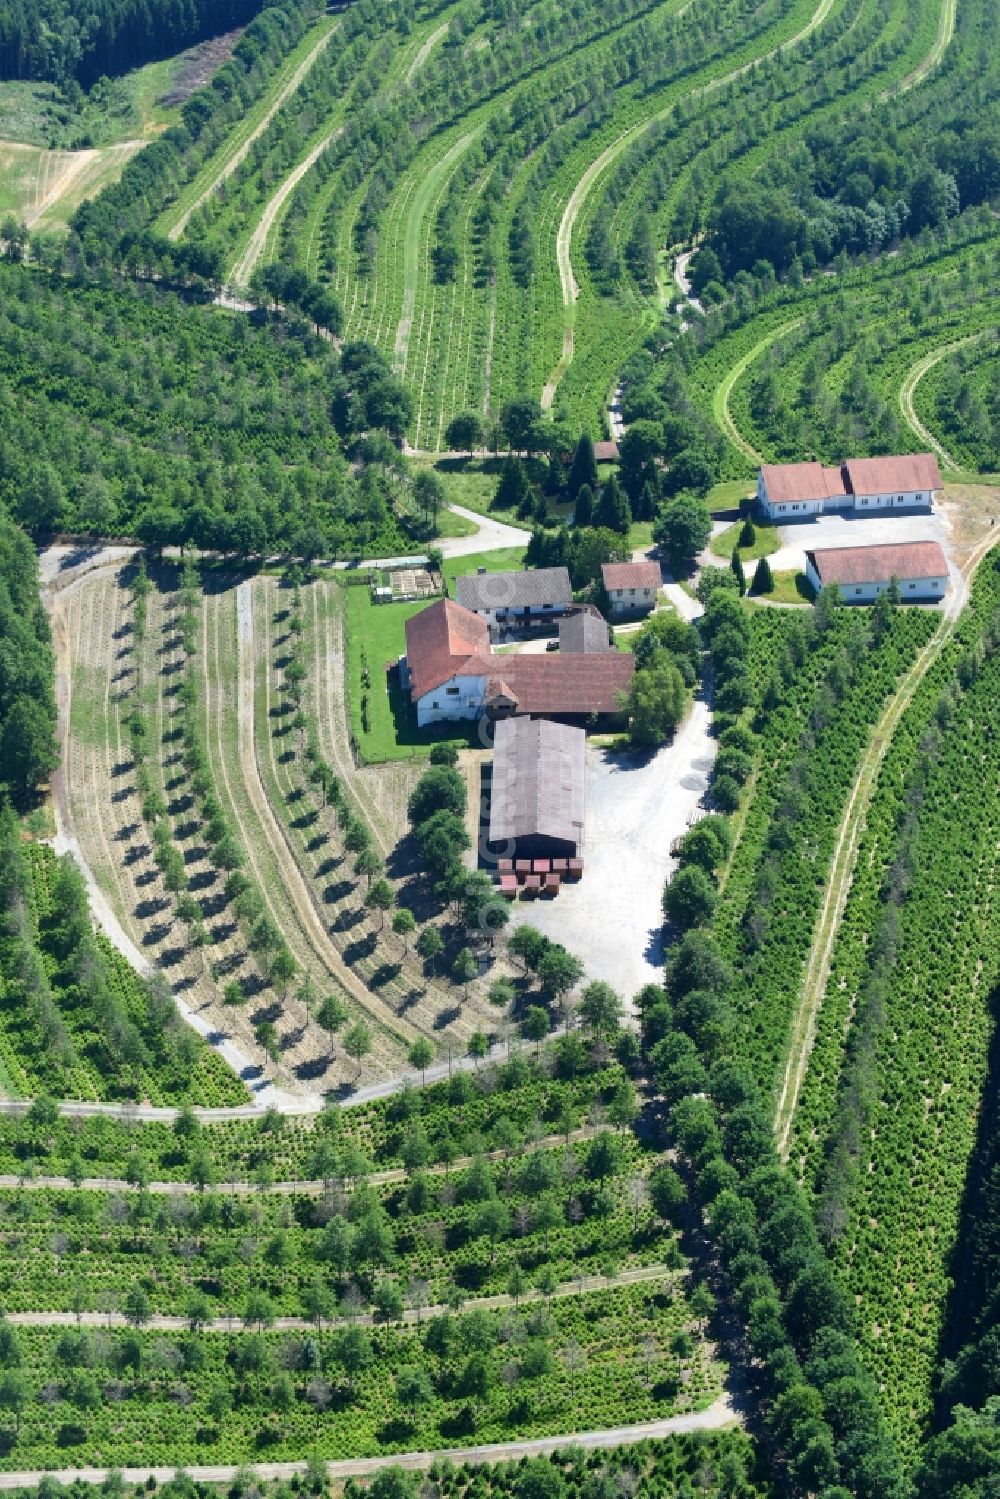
946 30
412 239
313 929
239 142
596 169
721 1413
582 1285
245 264
314 1188
266 1095
720 401
490 535
909 385
845 857
425 51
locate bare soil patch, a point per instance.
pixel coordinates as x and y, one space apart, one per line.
198 66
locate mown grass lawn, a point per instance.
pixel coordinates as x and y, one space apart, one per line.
376 638
789 588
727 494
765 541
502 560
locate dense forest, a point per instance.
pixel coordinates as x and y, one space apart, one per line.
967 1446
60 40
859 182
181 423
27 701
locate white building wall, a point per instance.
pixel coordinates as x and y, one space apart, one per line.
910 589
921 499
631 600
790 509
462 697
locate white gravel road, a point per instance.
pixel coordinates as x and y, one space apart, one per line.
720 1414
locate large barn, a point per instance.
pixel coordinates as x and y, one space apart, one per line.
794 491
537 795
451 672
862 573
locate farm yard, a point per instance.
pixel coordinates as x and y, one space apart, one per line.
328 1141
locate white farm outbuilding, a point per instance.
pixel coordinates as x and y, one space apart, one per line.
796 491
862 573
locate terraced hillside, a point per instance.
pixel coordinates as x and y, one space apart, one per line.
510 241
459 1301
224 860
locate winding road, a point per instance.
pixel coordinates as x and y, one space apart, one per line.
838 886
230 164
567 224
721 1413
946 30
909 385
720 401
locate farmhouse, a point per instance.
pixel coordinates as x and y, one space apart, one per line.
537 793
794 491
507 600
451 672
862 573
631 587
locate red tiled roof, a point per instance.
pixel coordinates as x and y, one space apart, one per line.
907 474
631 575
445 641
556 684
606 452
794 481
901 559
833 478
439 642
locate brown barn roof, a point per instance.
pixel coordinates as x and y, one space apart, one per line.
439 641
514 590
795 481
444 641
606 452
631 575
569 684
585 632
902 559
538 780
906 474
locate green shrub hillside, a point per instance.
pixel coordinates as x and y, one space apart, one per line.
104 381
75 1019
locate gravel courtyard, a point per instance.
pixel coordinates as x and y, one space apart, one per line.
855 531
636 806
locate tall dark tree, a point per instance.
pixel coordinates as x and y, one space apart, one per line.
584 467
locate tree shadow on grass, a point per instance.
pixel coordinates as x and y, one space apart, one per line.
347 920
364 947
313 1068
339 891
384 974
